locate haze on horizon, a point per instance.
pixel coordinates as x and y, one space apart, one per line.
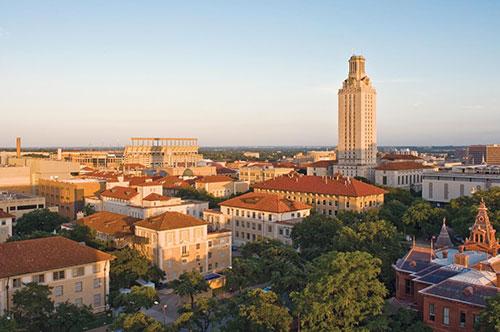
95 73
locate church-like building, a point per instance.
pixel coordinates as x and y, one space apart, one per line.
449 285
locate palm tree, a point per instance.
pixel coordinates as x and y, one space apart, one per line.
189 283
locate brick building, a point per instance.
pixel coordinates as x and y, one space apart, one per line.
450 285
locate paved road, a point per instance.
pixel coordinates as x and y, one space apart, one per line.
172 301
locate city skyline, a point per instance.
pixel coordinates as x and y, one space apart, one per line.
260 74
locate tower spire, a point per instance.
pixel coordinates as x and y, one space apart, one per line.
443 240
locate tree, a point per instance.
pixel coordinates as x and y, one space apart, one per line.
69 317
7 323
32 306
189 284
88 210
315 235
83 233
261 311
343 292
254 311
139 297
393 212
406 320
490 316
137 322
41 220
423 219
128 266
200 316
244 273
378 238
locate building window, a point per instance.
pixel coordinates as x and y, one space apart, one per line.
462 319
432 312
79 301
384 180
446 191
197 258
198 246
16 283
96 268
184 251
209 255
78 272
431 194
408 287
97 282
269 228
58 275
97 299
78 287
39 278
210 244
446 316
210 267
58 291
462 190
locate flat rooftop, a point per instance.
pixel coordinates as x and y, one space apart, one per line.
10 196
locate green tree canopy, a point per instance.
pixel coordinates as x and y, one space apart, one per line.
41 220
139 297
32 306
199 317
69 317
490 316
422 219
128 266
343 292
137 322
189 284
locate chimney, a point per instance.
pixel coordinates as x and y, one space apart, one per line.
59 154
461 259
18 147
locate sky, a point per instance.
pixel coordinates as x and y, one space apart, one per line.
95 73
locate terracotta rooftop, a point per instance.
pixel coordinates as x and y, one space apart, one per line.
173 182
156 197
109 223
321 185
4 214
170 220
43 254
214 179
322 163
396 156
265 202
400 165
124 193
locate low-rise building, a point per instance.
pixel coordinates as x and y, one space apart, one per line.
449 285
5 225
401 174
445 185
221 185
15 178
178 243
69 194
254 216
111 227
19 204
326 195
260 172
321 168
74 272
143 200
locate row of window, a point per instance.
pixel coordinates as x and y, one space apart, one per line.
409 179
446 316
56 275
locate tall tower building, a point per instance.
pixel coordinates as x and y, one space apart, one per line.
357 147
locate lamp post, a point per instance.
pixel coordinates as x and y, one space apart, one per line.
165 314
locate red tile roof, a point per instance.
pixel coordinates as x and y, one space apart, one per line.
109 223
265 202
400 165
170 220
340 186
174 182
156 197
322 163
43 254
214 179
124 193
4 214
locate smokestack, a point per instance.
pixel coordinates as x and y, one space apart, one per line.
18 147
59 154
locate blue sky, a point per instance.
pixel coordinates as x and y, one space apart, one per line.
87 73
